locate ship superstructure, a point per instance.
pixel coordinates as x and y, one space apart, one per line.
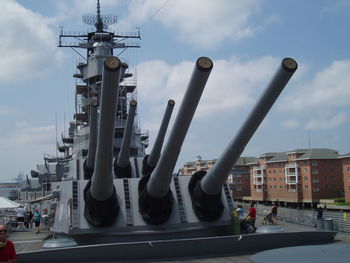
99 45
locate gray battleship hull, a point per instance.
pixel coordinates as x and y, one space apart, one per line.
179 248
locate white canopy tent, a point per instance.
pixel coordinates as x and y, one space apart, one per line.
7 203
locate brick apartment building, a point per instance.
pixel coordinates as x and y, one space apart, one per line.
345 160
302 176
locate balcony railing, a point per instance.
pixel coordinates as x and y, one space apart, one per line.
291 165
291 181
257 182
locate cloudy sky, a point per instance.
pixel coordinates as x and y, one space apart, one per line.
245 39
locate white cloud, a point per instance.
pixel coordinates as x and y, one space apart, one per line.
232 84
21 124
6 111
29 137
291 123
27 43
326 124
205 24
329 88
22 149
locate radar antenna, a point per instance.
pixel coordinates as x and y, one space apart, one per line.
101 22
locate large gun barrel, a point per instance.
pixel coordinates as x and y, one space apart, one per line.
101 205
89 163
122 166
155 197
151 160
205 188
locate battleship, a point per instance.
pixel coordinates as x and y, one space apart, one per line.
114 202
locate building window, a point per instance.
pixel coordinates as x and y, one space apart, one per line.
331 169
315 180
314 163
281 186
274 178
348 169
315 189
348 178
314 171
306 178
306 186
305 170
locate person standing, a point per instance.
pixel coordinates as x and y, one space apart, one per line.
252 214
20 214
30 219
37 219
7 249
274 213
320 212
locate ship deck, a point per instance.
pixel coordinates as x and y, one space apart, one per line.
30 241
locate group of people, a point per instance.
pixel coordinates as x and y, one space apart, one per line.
28 217
251 217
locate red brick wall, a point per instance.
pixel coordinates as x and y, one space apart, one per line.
346 176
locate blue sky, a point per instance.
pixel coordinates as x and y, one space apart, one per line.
245 39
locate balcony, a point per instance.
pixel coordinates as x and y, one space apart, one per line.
291 174
291 165
258 182
291 182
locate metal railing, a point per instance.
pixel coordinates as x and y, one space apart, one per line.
309 217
